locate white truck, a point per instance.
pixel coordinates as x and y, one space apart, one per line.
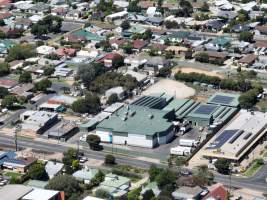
188 142
181 151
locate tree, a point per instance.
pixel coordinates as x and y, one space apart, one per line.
180 161
25 77
147 34
37 172
133 7
164 72
8 101
248 99
165 177
134 194
4 69
2 35
205 7
113 98
128 48
3 92
69 158
202 57
88 72
99 178
101 193
49 70
110 159
222 165
43 85
246 36
66 183
185 9
93 141
20 52
39 30
89 104
148 195
53 56
153 172
125 25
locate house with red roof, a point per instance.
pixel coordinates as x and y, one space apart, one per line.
67 52
138 45
109 59
5 15
5 3
217 192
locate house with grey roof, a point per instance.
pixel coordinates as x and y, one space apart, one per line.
85 175
187 193
116 186
53 168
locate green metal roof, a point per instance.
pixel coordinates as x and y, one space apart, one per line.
175 104
115 181
137 120
233 103
89 36
37 184
221 41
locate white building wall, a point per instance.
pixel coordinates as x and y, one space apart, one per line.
105 136
134 140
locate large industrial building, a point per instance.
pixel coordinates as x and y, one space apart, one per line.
137 126
240 135
149 120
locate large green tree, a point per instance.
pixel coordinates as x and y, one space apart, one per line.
9 101
69 158
66 183
37 172
222 165
43 85
20 52
89 104
4 69
25 77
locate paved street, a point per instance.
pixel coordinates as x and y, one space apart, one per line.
257 182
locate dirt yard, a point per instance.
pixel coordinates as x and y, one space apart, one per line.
170 87
188 70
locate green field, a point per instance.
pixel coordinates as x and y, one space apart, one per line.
253 168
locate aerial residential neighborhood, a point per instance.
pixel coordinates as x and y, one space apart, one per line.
133 100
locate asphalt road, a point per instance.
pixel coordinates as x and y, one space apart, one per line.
257 182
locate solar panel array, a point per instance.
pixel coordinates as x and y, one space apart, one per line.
223 138
205 109
220 99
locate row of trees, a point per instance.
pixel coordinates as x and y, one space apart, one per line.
230 84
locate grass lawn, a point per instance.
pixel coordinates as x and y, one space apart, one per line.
253 169
12 174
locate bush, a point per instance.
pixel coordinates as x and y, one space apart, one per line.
101 193
93 141
110 159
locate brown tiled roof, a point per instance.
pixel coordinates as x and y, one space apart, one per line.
139 44
146 4
5 15
262 28
247 59
261 43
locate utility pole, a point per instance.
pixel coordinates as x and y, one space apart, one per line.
17 129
